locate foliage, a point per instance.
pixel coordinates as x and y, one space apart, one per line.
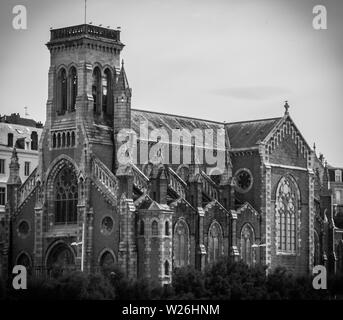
224 280
2 289
71 286
188 283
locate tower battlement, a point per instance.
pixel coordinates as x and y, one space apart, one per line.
84 30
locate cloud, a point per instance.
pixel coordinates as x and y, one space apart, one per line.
253 92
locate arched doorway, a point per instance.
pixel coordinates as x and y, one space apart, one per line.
107 261
24 259
60 259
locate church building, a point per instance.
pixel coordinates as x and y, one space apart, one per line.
270 202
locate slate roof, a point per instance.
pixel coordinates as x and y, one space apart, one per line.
247 134
168 122
243 134
15 118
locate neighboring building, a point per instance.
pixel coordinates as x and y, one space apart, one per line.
84 209
335 185
23 134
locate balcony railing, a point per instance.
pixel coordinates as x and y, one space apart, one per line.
176 183
104 177
27 187
209 187
140 180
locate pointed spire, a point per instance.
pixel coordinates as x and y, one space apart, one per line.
314 147
14 177
122 84
286 108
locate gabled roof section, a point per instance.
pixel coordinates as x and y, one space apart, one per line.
181 200
215 203
143 202
158 206
283 128
248 134
247 206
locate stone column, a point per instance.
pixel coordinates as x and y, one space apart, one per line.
200 258
234 253
38 236
127 246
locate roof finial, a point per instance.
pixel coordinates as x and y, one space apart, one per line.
314 147
286 107
14 156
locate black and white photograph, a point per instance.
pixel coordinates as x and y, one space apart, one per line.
185 153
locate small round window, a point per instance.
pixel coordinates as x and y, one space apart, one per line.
23 229
107 225
244 180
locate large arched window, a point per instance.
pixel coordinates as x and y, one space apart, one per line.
106 91
62 91
65 192
214 242
287 197
73 87
181 241
96 90
247 240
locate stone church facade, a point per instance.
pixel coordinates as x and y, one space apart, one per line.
82 209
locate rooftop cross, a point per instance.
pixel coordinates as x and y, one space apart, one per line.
286 107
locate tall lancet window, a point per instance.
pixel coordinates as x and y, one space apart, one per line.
247 240
96 90
181 244
106 92
66 194
62 91
73 87
286 208
215 242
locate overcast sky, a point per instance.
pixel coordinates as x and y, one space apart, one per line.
226 60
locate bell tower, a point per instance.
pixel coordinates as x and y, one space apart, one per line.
83 75
84 66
